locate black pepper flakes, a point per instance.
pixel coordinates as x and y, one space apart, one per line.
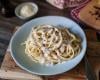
96 12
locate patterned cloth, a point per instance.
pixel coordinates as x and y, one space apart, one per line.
75 11
61 4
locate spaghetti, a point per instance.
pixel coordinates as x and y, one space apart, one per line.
51 45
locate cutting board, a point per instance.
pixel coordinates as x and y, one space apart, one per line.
89 14
10 70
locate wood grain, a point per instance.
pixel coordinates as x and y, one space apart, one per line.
7 74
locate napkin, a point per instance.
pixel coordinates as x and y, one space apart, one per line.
75 11
61 4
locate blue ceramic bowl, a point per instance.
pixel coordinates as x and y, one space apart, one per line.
23 61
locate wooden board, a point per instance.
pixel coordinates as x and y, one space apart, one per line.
9 69
87 15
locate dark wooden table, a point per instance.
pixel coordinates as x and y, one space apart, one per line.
7 25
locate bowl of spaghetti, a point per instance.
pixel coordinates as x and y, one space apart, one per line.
48 45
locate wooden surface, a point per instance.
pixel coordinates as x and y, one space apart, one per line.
86 17
7 26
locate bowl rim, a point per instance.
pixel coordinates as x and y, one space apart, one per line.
17 9
46 74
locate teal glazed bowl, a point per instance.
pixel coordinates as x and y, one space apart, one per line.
23 61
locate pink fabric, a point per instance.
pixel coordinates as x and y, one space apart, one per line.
73 3
61 4
75 11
